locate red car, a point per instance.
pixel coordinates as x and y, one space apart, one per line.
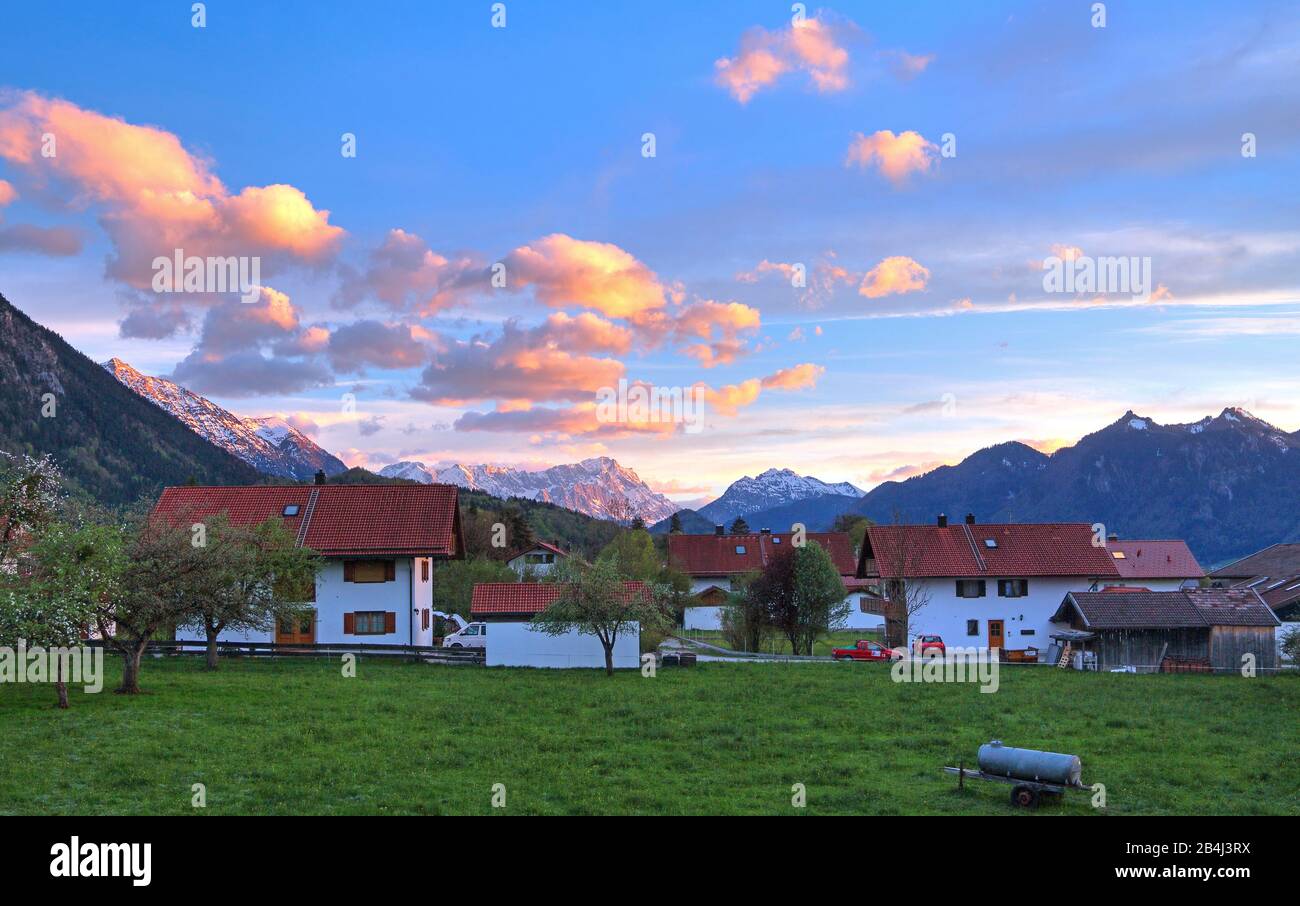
929 644
865 650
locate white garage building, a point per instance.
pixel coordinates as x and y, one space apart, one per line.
507 608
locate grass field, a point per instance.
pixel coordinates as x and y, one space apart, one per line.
297 737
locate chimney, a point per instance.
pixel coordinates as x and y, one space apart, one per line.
1112 537
943 520
970 518
719 530
320 476
766 531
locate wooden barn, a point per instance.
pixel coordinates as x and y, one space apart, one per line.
1200 629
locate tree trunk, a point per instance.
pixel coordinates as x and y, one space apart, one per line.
609 659
60 686
131 671
212 647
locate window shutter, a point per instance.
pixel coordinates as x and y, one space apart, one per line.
1024 586
983 588
390 572
390 622
349 624
961 592
349 571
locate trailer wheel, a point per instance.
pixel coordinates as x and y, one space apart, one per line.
1024 796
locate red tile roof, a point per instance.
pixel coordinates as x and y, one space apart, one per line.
524 598
345 520
1154 560
716 555
1185 609
539 546
963 550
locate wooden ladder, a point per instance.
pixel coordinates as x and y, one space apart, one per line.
1066 654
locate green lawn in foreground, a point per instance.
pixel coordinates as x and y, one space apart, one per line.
295 736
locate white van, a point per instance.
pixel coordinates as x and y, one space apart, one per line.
472 636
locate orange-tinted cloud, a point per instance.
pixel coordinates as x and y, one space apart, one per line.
598 275
893 276
907 66
729 400
405 274
808 45
798 377
7 193
896 156
156 196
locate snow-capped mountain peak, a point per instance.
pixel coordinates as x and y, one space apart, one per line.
772 488
271 444
598 487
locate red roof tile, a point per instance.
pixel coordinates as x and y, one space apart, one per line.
366 520
539 546
1018 549
524 598
1154 560
716 555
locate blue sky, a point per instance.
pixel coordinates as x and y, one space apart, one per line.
524 145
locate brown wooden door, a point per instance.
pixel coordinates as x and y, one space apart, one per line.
996 639
299 630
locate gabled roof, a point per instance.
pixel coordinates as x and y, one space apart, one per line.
1154 560
729 555
1277 560
1278 593
337 520
538 546
964 550
525 598
1196 608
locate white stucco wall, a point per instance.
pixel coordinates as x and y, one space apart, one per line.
946 614
519 645
710 618
334 597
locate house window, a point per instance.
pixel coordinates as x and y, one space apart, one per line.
971 588
424 618
539 558
776 539
424 573
369 570
972 627
370 622
1013 588
740 548
291 510
1028 632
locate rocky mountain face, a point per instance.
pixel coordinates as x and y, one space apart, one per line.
1227 485
111 445
598 487
270 445
771 489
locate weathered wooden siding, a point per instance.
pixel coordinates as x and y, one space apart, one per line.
1229 643
1143 648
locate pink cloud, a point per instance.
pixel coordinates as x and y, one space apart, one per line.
894 276
896 156
807 45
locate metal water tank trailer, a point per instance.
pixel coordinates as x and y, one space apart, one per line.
1029 764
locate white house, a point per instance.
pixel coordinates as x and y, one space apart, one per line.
506 609
714 562
537 560
995 585
380 544
1153 565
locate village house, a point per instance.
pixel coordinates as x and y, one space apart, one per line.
1202 629
1274 572
380 544
993 585
714 563
536 560
1154 565
505 609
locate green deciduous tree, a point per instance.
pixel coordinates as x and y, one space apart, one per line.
804 595
595 600
453 585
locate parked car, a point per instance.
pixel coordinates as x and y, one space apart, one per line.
929 644
865 650
472 636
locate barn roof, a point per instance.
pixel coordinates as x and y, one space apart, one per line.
336 520
1277 560
525 598
1196 608
979 550
726 555
1154 560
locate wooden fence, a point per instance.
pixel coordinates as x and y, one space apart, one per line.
423 653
